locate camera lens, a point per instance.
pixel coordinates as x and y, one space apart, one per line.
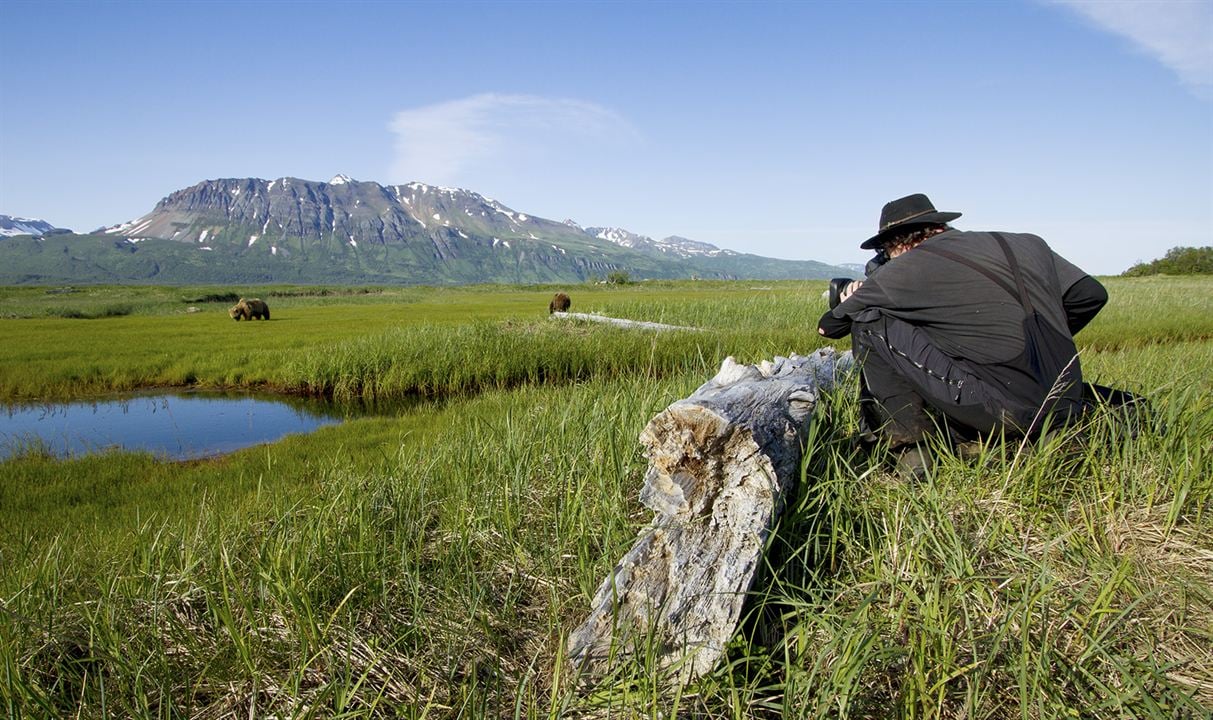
837 285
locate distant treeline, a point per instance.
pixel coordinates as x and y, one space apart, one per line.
1177 261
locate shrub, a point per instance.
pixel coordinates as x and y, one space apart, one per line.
1177 261
213 297
102 312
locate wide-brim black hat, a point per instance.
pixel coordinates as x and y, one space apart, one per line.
904 213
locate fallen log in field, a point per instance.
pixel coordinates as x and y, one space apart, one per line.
720 464
620 322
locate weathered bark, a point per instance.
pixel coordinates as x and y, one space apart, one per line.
720 464
620 322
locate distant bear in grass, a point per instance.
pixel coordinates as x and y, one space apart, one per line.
560 303
253 309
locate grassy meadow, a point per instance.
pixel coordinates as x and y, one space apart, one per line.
429 564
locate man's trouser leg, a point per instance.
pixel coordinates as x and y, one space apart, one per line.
904 373
888 403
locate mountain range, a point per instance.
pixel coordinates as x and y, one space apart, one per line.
345 231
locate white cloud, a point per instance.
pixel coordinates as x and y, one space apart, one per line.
1176 33
451 142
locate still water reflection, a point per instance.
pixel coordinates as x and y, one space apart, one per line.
177 425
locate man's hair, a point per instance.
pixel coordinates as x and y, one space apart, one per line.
913 238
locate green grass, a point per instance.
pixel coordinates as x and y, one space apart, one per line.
383 343
430 565
308 343
1029 584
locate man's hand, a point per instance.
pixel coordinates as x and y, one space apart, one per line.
849 290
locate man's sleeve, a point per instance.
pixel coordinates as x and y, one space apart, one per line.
1082 294
836 323
834 327
1083 301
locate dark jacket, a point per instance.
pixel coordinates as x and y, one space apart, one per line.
966 314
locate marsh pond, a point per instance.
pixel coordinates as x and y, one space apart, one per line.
177 425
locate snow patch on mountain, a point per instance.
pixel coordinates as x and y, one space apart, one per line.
619 236
685 247
12 226
673 245
121 228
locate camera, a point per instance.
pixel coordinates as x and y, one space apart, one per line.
837 285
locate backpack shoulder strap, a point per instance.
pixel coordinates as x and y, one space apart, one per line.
1023 290
966 261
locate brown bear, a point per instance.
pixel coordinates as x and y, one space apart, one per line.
560 303
252 309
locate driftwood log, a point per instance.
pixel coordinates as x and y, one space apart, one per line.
619 322
720 464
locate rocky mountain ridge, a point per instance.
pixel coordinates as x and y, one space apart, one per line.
346 230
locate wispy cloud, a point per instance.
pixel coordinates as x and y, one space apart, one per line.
1176 33
451 142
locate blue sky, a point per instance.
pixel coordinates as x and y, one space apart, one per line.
773 128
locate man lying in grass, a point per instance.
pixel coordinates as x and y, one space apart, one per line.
976 327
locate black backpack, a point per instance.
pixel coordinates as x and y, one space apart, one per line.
1046 378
